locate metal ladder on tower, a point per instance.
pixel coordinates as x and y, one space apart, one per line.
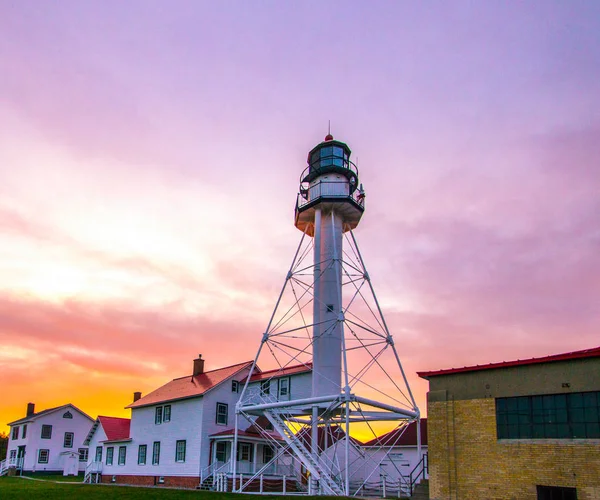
315 467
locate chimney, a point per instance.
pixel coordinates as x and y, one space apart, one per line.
198 366
30 409
136 396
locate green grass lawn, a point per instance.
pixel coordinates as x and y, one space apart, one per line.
15 488
57 477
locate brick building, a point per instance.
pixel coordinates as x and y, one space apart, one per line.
525 429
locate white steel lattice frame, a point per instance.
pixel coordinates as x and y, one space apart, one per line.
369 355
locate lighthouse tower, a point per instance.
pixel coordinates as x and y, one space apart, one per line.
327 320
329 205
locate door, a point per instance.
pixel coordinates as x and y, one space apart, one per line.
20 457
245 458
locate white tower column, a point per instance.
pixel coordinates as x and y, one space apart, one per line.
327 330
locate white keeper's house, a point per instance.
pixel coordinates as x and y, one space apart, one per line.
182 433
48 441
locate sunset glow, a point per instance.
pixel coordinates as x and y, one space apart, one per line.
149 162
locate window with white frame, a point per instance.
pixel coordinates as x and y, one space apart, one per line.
43 456
46 431
12 457
83 454
24 431
284 388
68 441
235 386
245 452
162 414
98 454
110 453
142 451
180 451
122 454
156 453
222 412
15 433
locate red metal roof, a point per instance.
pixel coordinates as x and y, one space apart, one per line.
189 387
399 438
255 430
115 428
586 353
281 372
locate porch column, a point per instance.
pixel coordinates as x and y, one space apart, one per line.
255 458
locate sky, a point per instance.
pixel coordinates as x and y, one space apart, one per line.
150 153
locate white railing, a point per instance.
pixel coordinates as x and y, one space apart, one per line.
90 469
214 469
3 467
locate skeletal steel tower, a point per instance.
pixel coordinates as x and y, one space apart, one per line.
358 384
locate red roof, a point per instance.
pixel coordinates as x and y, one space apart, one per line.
586 353
402 437
255 430
189 386
281 372
115 428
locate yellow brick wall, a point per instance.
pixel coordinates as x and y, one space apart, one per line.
467 462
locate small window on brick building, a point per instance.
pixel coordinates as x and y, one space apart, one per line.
556 493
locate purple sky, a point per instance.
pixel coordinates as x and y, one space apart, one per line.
149 162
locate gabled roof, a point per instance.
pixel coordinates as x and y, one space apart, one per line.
586 353
282 372
189 386
115 428
39 414
402 437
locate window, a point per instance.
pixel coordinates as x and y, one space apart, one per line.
167 413
284 387
235 386
68 441
222 410
221 451
556 493
267 454
122 454
24 431
98 454
83 454
162 414
68 415
13 456
245 452
265 387
46 431
142 450
158 415
156 453
180 451
554 416
15 433
110 451
43 456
